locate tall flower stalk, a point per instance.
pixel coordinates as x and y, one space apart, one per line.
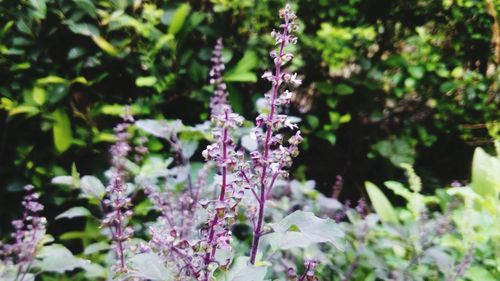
117 202
222 152
269 164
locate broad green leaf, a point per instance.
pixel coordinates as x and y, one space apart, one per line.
61 131
159 128
485 173
178 18
74 212
242 71
381 204
301 229
242 270
95 247
149 266
94 271
479 273
105 45
56 258
40 8
92 187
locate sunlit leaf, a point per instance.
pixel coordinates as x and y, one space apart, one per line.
381 204
61 130
179 18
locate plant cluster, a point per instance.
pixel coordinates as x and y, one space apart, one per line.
238 215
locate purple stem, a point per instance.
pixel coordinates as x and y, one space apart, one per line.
257 233
209 255
119 238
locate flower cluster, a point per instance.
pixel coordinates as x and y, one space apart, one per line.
218 103
117 203
28 234
216 234
308 275
274 157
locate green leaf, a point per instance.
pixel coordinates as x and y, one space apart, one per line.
61 130
381 204
240 77
56 258
242 270
147 81
179 18
479 273
95 247
85 29
158 128
485 174
52 79
87 6
301 229
28 109
62 180
39 95
74 213
343 89
105 45
149 266
92 187
416 71
242 71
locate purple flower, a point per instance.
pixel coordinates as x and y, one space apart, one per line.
274 157
28 233
117 202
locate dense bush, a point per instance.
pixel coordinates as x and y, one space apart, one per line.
391 85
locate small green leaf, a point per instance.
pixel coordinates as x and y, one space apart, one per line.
343 89
28 109
92 187
52 79
95 247
74 213
381 204
61 130
39 95
178 18
416 71
147 81
105 45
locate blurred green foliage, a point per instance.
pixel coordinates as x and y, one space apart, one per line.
384 81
